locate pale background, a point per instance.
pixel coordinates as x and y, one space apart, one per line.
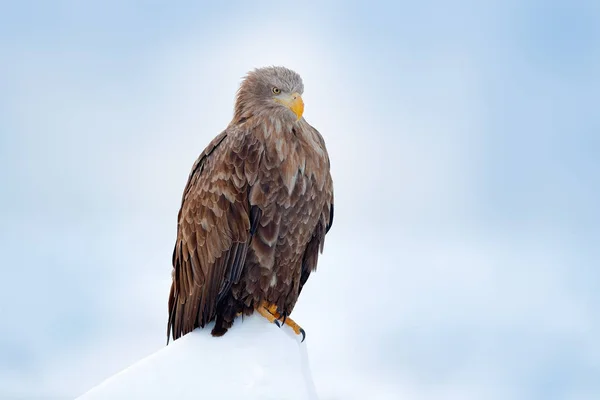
465 146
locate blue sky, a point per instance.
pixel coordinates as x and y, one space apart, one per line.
464 141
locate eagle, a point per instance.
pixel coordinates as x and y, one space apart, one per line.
254 213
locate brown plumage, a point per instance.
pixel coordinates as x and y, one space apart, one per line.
255 210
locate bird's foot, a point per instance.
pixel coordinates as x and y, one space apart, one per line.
269 311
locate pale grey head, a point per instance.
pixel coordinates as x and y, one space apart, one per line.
275 91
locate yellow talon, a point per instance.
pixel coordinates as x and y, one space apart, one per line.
269 311
266 313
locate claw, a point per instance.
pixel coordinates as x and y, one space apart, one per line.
269 311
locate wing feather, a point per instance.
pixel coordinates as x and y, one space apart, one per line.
315 244
213 233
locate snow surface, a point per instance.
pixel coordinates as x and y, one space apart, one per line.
254 360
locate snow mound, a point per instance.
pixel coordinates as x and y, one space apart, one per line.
253 360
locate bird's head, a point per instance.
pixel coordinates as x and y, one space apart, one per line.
271 90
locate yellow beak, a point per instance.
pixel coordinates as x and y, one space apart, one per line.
293 102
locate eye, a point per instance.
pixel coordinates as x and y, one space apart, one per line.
276 90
